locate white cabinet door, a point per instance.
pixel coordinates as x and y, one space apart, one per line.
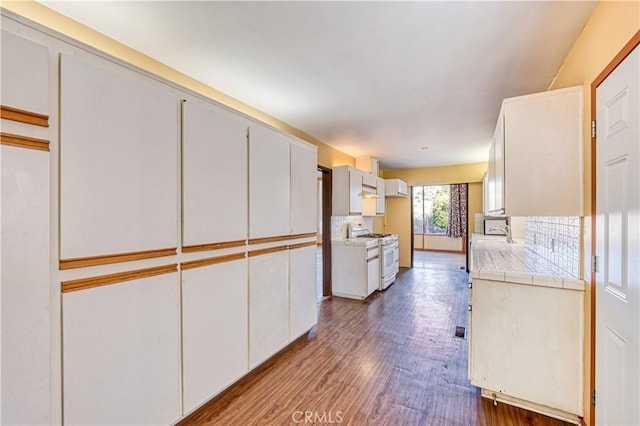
499 166
269 186
373 274
268 305
303 311
304 172
214 329
355 191
514 354
118 162
25 74
26 346
380 201
214 174
25 238
121 352
543 154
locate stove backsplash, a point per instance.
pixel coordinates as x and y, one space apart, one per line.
340 225
557 239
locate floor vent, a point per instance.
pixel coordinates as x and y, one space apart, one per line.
460 332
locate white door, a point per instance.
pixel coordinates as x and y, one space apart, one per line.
617 246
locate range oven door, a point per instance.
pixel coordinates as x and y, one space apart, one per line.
388 273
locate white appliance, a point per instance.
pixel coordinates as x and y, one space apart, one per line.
389 263
495 226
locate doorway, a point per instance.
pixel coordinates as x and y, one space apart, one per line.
439 226
323 281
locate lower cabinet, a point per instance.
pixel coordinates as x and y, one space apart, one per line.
303 293
268 305
214 327
121 352
25 286
526 346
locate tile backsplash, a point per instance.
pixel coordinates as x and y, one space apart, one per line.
340 225
556 239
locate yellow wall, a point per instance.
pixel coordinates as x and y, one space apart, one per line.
327 156
398 219
610 27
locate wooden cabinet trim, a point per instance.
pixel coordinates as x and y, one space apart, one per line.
213 246
371 259
269 239
301 245
102 280
82 262
211 261
307 235
24 116
267 251
24 142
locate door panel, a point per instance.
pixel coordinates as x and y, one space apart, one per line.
617 245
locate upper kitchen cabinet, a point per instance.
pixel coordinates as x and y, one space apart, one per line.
346 191
269 183
535 162
214 174
25 79
395 188
304 171
119 139
381 197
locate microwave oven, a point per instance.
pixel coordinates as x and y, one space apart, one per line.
495 226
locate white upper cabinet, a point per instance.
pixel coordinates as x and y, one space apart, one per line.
214 173
118 162
304 198
269 185
380 201
25 74
536 169
346 191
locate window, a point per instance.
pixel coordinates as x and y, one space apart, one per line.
430 209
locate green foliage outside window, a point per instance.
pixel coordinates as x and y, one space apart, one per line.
430 209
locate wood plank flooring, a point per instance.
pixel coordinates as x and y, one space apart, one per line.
390 360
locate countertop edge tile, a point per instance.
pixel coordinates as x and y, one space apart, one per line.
573 284
518 277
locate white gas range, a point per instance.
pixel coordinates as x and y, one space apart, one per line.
359 272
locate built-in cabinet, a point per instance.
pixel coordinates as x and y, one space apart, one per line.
356 193
515 358
535 160
186 246
346 193
121 352
215 350
214 174
26 232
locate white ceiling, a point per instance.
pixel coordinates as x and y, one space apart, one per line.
368 78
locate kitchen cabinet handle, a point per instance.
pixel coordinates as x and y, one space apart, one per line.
372 258
469 307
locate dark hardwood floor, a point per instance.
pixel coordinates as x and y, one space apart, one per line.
390 360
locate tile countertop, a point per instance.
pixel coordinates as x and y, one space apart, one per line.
495 260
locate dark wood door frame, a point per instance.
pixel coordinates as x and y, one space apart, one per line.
326 230
617 60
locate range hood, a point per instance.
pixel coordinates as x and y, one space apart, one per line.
369 186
